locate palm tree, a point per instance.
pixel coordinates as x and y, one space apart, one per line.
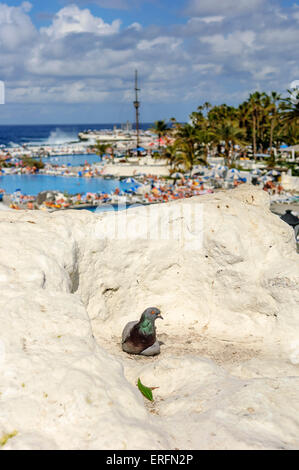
290 110
170 153
187 145
160 128
205 108
289 134
255 105
197 118
101 148
173 124
206 136
244 114
273 115
231 134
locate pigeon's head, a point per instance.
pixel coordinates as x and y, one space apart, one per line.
152 314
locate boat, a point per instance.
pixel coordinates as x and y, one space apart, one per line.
117 135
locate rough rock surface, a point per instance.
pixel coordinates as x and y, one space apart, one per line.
290 183
224 272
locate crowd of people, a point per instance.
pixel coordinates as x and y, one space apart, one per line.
145 188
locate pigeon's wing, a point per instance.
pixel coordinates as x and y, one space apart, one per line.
152 350
127 330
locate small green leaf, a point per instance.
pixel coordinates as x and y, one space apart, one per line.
147 392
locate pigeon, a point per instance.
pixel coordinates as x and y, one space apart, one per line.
139 337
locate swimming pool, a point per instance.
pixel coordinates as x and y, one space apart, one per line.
72 160
34 184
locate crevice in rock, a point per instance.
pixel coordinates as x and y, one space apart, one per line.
74 273
75 279
109 291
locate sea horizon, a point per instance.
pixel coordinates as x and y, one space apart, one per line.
51 134
78 124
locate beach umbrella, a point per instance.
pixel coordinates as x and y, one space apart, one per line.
273 173
130 181
177 175
220 171
233 173
256 172
198 172
266 178
221 168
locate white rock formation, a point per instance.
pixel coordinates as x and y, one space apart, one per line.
290 183
225 275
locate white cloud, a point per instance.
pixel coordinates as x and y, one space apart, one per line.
296 12
16 28
223 7
80 58
212 19
76 92
73 20
26 7
114 4
170 43
264 72
136 26
118 4
234 43
207 68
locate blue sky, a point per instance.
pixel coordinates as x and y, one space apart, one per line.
72 61
151 12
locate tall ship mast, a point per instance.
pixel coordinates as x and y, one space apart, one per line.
136 105
108 136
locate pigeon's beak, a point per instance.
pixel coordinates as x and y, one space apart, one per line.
159 316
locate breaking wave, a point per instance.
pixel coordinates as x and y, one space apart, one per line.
58 137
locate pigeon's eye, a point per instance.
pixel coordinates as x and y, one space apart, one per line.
153 312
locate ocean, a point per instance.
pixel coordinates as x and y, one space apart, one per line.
49 134
55 135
